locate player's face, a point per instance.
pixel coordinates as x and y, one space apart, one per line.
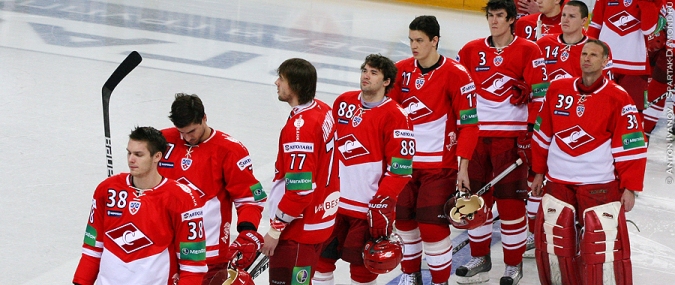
571 20
421 45
546 6
372 80
283 89
592 60
194 133
140 162
499 25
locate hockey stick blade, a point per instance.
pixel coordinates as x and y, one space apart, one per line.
260 267
129 63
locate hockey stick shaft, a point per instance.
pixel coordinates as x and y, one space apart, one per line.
499 177
129 63
658 99
465 242
260 267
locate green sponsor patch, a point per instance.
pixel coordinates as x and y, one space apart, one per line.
633 140
90 236
537 123
401 166
258 192
299 181
195 251
301 275
467 117
539 90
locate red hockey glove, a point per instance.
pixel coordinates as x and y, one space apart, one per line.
524 150
656 41
521 93
247 244
381 215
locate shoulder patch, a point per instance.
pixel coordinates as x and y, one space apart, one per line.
298 147
192 214
406 134
628 109
244 163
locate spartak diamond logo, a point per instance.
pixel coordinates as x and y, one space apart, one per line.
350 147
415 108
624 21
129 238
498 84
574 137
559 73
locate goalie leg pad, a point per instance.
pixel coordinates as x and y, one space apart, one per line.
555 242
605 248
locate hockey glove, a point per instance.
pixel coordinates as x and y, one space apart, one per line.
524 150
247 245
521 93
381 214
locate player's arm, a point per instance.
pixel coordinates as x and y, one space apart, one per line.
537 79
649 15
189 240
524 29
92 247
597 20
628 145
543 133
463 98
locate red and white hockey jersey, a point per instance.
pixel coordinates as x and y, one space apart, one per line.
623 24
221 171
564 60
441 105
526 27
376 148
305 183
143 236
495 71
589 139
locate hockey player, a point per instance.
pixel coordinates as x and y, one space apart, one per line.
143 228
376 147
623 25
562 52
659 83
219 168
549 15
438 94
505 68
589 143
305 193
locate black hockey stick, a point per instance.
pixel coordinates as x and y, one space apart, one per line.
260 267
129 63
465 242
658 99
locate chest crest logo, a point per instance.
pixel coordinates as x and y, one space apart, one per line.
416 109
350 147
129 238
134 206
419 82
185 163
574 137
498 84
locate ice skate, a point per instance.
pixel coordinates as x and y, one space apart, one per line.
512 275
474 271
529 246
414 278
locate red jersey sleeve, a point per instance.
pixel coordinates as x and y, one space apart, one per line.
535 76
463 98
245 190
399 144
628 144
597 20
92 247
189 240
543 133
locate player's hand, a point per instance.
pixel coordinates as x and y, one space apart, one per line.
271 241
628 200
381 215
248 243
524 150
538 185
521 93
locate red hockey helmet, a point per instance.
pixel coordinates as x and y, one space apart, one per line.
234 277
466 212
384 254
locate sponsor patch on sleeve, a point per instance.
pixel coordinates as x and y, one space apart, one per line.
298 147
629 109
192 214
467 117
539 89
258 192
468 88
244 163
537 123
195 251
298 181
633 140
401 166
404 134
90 236
538 62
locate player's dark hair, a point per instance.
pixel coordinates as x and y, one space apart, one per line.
384 65
301 77
153 137
186 109
605 47
508 5
583 8
428 25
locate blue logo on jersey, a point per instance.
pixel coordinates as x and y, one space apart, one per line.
165 164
